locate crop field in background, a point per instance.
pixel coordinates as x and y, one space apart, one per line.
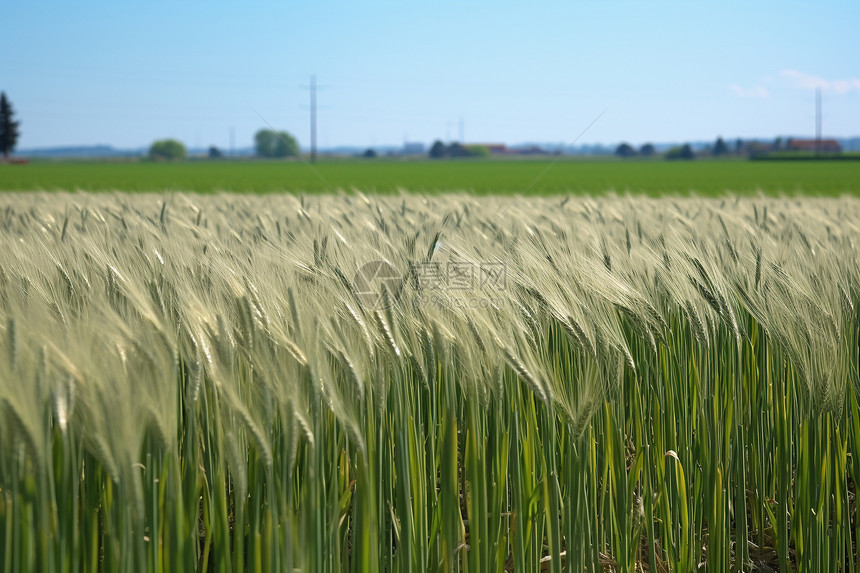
427 383
652 177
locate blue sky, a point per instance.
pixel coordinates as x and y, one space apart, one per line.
126 73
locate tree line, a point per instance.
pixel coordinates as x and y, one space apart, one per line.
718 149
439 150
267 143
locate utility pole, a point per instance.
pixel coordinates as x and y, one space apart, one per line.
817 121
313 119
232 141
462 137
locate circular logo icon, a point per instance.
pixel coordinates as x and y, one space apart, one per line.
372 280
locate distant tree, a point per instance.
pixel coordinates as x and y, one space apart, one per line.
167 149
215 153
681 152
437 150
625 150
458 150
269 143
720 147
369 153
287 145
687 152
777 144
647 150
8 127
478 150
264 142
739 146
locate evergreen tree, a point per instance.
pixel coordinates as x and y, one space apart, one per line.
8 126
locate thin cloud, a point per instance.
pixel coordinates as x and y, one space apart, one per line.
809 82
754 92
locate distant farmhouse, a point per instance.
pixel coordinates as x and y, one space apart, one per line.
814 145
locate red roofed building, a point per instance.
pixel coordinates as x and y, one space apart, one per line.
821 145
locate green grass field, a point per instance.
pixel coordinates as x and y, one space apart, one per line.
482 177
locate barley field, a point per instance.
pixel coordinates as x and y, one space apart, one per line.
447 382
